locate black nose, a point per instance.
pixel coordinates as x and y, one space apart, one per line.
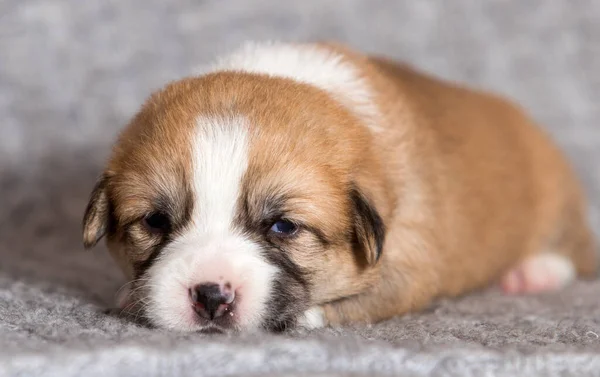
210 301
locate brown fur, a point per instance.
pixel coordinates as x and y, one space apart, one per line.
310 149
487 188
465 183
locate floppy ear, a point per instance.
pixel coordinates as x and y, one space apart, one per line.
95 220
369 228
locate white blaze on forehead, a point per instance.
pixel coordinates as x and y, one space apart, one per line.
310 64
219 161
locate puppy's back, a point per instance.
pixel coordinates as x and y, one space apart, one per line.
503 190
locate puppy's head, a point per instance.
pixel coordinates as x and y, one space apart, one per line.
237 201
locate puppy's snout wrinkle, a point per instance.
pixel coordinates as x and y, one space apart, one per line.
210 300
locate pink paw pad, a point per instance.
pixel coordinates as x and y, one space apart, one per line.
539 273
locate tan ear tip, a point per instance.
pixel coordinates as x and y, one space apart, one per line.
90 239
87 244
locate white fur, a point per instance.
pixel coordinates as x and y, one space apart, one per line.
552 267
309 64
313 318
539 273
210 250
220 159
223 258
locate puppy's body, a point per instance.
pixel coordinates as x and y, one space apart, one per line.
401 188
479 189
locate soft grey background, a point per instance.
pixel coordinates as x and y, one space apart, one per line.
71 74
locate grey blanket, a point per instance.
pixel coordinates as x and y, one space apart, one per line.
71 74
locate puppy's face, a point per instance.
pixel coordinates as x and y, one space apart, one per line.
238 201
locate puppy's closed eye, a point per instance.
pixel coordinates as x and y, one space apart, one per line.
157 223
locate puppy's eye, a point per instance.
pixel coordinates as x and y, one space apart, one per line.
284 228
157 222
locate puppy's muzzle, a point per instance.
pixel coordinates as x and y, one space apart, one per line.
211 300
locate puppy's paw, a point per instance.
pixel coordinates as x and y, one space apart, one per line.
539 273
313 318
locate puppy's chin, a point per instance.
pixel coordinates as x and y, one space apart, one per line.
227 261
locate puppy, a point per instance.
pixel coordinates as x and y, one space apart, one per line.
308 184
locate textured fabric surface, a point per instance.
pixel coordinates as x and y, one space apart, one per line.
71 74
